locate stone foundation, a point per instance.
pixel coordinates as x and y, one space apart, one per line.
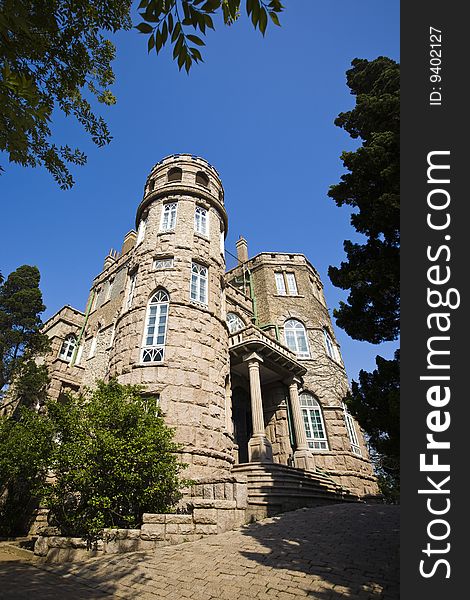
213 507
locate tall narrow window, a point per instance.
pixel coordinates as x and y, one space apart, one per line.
201 218
296 338
110 289
280 284
234 322
291 284
68 347
141 231
350 426
131 289
313 422
153 345
198 283
330 346
168 217
96 298
92 350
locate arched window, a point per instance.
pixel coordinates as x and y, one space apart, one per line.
175 174
201 220
313 421
330 346
234 322
296 338
68 347
153 344
202 179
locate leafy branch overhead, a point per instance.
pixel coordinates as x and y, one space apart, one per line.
170 20
55 55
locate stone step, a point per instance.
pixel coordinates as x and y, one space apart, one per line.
274 488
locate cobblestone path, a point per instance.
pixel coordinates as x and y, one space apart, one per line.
335 552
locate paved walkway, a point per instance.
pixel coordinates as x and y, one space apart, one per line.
336 552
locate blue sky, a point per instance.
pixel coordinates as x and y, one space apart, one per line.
261 110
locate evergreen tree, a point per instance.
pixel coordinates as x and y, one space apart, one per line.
21 340
371 272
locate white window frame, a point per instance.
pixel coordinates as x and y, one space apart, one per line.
110 289
94 305
153 341
314 423
234 322
168 219
198 290
141 231
92 351
330 346
298 330
131 289
165 262
280 283
68 347
79 354
201 220
291 284
352 433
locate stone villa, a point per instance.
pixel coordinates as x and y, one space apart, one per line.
244 362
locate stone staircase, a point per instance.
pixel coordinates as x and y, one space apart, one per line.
275 488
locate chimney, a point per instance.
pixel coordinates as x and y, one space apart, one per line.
242 250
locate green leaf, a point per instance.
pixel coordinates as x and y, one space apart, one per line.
188 63
249 7
170 23
176 31
196 40
208 21
263 20
196 54
151 43
274 18
164 33
144 28
159 42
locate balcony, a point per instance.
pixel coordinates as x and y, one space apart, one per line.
279 361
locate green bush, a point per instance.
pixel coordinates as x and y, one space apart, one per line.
113 460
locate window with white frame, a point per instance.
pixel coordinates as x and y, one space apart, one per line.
198 292
330 346
168 222
110 289
234 322
79 354
96 298
296 338
141 231
131 289
286 284
163 263
313 422
68 347
153 344
291 284
201 220
92 350
280 284
352 434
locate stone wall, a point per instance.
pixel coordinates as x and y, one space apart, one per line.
213 507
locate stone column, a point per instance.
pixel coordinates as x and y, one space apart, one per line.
259 447
303 458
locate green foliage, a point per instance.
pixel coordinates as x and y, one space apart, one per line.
26 444
114 460
169 20
375 402
20 337
372 270
52 56
371 186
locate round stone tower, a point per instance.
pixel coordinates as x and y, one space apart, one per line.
171 336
